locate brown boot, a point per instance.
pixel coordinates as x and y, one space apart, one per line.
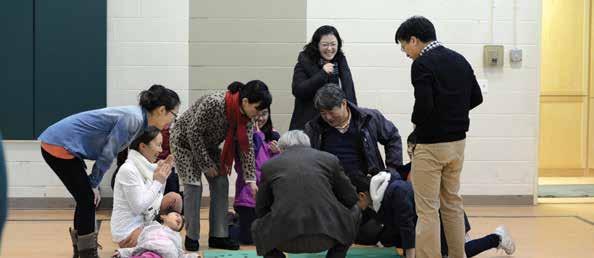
87 246
74 237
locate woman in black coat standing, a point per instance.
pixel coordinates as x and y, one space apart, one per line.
321 61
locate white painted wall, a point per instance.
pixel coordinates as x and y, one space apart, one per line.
254 40
147 44
502 143
257 39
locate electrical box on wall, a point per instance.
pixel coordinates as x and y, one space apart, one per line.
493 55
515 55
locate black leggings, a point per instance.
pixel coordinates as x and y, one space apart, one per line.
247 215
73 175
477 246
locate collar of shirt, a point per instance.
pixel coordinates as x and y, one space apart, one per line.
345 127
430 46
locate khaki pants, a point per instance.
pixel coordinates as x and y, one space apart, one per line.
435 177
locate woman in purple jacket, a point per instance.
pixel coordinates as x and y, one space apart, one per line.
265 147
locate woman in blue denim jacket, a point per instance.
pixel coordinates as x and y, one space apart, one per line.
99 135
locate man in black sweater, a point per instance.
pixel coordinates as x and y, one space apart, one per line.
445 90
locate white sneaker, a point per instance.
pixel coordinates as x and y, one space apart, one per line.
506 243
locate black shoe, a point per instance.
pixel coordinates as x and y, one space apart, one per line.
274 253
191 244
223 243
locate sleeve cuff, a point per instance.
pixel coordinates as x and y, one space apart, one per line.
93 183
156 186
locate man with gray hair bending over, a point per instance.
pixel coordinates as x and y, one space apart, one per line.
353 133
305 204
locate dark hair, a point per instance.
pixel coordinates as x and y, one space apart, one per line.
157 96
417 26
166 212
254 91
267 129
120 160
312 50
361 183
329 97
147 136
412 138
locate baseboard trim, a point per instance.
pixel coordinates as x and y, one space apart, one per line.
56 203
50 203
498 199
35 203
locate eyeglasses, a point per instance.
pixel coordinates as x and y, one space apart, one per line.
328 44
403 45
174 115
263 112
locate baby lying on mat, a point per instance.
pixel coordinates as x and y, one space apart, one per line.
159 239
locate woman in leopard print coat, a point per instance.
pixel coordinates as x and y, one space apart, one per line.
195 139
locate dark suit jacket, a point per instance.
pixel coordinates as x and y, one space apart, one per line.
308 77
303 192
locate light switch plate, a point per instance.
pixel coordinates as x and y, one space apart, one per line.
515 55
493 55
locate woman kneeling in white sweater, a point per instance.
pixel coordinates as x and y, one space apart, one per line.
138 190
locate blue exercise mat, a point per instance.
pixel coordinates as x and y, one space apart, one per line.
566 191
